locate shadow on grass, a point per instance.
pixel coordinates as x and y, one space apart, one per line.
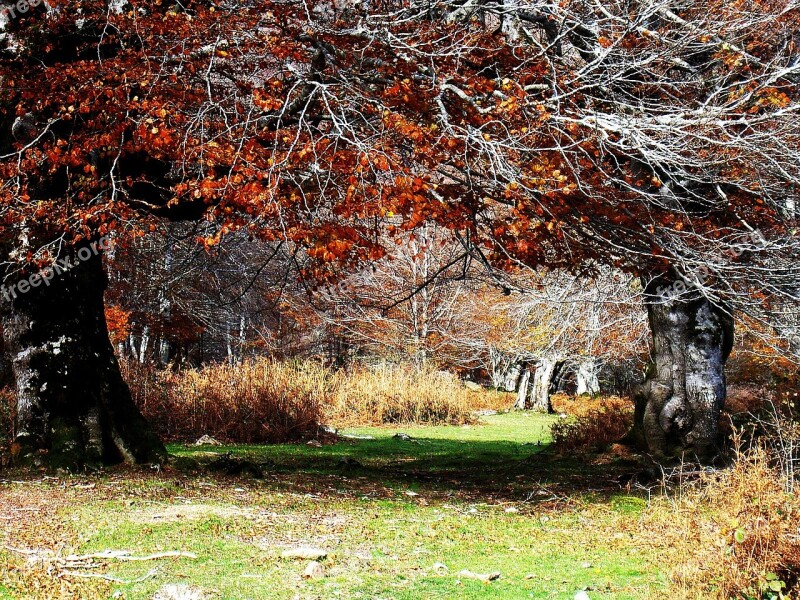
445 463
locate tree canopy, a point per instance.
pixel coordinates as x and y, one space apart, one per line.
641 135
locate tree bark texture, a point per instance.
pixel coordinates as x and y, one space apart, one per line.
73 407
678 406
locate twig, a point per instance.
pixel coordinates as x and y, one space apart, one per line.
121 555
22 550
148 575
124 555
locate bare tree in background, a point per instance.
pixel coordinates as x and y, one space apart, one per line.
407 305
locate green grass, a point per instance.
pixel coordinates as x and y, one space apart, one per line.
484 498
498 439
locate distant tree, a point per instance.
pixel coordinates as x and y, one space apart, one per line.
188 303
558 323
410 304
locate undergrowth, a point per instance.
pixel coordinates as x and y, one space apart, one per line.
733 533
590 424
268 401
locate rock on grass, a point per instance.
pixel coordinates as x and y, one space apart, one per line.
304 553
179 591
314 570
467 574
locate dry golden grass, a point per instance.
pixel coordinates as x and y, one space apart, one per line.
489 399
396 394
257 401
732 533
579 406
264 400
595 423
728 533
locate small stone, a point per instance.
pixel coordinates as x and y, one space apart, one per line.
207 440
485 413
179 591
411 493
305 553
315 443
581 596
467 574
472 386
512 509
314 570
586 565
402 436
530 576
439 567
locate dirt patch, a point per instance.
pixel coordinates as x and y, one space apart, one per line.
191 512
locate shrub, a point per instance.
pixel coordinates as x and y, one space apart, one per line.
590 424
267 401
255 402
734 532
578 406
743 399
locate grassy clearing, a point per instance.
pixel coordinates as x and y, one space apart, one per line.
488 497
497 441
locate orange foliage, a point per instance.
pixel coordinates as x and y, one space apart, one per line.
118 322
336 139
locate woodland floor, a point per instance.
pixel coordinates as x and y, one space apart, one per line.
490 497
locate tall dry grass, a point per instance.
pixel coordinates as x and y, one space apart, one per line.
257 401
591 424
732 533
397 394
264 400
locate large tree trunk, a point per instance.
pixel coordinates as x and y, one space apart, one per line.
522 392
542 382
586 377
534 393
73 407
512 376
678 406
498 365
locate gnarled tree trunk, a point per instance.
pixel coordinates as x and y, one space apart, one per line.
679 404
73 407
